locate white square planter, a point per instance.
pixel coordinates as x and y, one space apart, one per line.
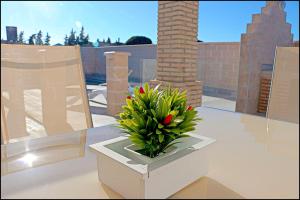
134 176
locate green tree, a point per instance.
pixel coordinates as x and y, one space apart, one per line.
77 40
86 39
39 40
72 38
66 41
118 42
108 41
47 40
98 42
21 38
81 36
31 39
138 40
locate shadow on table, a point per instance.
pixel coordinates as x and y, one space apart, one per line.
110 193
203 188
206 188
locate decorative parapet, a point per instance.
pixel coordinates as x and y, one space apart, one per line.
267 30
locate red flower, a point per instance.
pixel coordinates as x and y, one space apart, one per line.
128 97
142 90
167 120
190 108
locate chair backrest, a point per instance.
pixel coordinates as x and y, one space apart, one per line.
284 95
43 92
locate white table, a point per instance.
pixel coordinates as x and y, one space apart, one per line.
253 157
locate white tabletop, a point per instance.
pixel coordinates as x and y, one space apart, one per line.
253 157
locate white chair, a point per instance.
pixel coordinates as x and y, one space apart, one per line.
43 92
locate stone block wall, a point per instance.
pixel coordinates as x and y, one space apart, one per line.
94 61
218 65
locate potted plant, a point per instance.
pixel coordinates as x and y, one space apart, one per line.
155 119
158 155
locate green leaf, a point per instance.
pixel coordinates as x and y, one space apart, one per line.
179 119
156 88
146 87
160 126
149 134
153 113
174 112
158 131
165 109
161 138
169 145
182 136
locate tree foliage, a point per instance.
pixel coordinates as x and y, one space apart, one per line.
21 38
108 41
155 119
47 39
118 42
138 40
72 38
98 42
38 40
66 41
31 39
81 39
81 36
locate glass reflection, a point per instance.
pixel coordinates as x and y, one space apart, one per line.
41 151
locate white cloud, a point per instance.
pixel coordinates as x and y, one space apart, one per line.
78 24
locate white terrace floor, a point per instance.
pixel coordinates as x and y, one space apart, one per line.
98 103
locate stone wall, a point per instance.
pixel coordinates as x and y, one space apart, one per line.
267 30
217 64
148 70
94 61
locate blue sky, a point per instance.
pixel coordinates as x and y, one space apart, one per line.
218 21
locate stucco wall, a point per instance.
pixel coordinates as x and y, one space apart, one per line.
217 66
94 61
